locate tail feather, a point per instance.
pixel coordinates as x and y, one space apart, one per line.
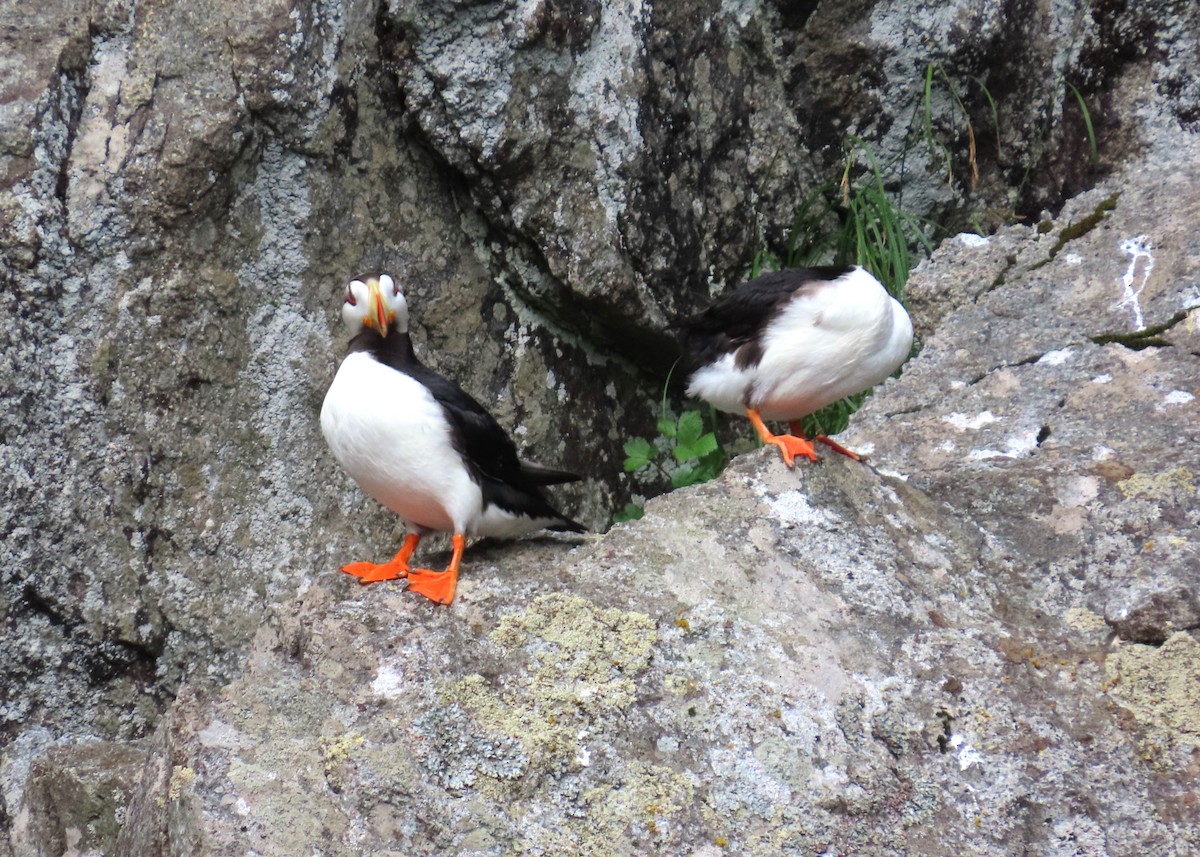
539 474
566 525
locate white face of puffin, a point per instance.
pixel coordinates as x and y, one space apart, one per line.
374 302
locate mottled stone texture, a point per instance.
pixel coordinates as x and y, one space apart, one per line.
983 644
985 649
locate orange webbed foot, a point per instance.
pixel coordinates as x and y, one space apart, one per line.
369 572
439 586
393 569
837 447
789 445
828 441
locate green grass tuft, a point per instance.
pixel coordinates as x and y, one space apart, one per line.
856 222
1087 122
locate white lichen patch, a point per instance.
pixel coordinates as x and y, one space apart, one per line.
603 75
1016 446
970 239
967 755
219 734
792 507
962 422
1055 358
584 757
1178 397
1079 491
740 10
388 682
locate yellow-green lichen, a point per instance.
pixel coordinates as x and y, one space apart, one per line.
575 662
1160 686
787 831
650 806
337 748
679 685
584 656
1084 620
181 778
1157 485
284 788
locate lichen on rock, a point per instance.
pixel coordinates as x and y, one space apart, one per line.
1160 686
573 667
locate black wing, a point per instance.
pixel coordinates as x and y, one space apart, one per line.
502 476
539 474
735 319
504 479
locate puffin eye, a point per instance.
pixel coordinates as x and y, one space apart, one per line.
350 297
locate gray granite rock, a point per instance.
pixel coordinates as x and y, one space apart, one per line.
183 190
774 663
77 797
983 642
1064 386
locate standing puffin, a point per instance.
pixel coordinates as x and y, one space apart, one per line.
786 344
422 447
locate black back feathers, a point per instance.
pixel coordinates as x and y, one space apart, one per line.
488 452
735 321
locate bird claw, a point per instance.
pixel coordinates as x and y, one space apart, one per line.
837 447
791 446
437 586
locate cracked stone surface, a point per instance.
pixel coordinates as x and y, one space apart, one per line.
183 190
1094 313
982 642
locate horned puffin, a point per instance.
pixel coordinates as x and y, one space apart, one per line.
422 447
788 343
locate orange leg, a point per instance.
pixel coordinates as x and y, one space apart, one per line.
439 586
828 441
789 446
397 566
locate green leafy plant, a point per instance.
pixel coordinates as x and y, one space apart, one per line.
686 452
631 512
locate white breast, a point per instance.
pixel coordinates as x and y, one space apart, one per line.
827 344
392 437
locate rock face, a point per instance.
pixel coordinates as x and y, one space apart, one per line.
985 645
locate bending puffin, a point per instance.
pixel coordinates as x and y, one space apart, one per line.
422 447
786 344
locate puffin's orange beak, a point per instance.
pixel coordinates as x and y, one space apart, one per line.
377 314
